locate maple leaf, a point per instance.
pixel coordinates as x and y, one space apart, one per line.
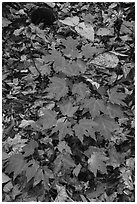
57 88
63 160
106 126
64 128
88 51
57 164
97 162
56 57
31 170
81 90
43 174
93 149
81 65
116 97
44 69
85 127
15 144
115 158
40 67
71 47
47 174
102 90
29 148
100 189
67 160
38 177
73 68
94 106
16 164
68 109
114 111
47 119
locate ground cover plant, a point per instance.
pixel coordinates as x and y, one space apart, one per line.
68 102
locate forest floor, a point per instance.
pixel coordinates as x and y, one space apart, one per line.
68 101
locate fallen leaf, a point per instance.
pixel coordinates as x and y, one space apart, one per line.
5 22
106 60
85 30
8 187
70 21
77 170
126 175
4 155
15 191
83 198
5 178
19 31
25 123
62 194
51 4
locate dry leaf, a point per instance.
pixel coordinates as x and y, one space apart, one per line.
85 30
62 195
5 178
70 21
106 60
